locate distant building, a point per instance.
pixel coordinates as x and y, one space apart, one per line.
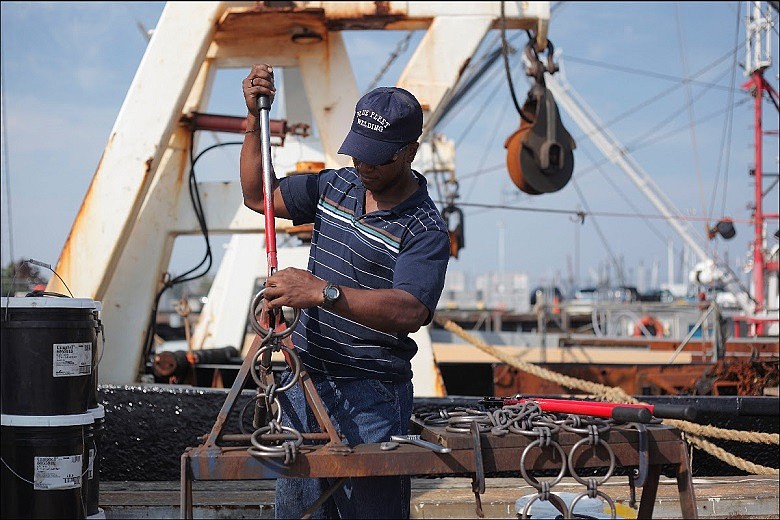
507 291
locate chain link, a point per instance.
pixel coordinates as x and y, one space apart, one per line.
528 419
287 446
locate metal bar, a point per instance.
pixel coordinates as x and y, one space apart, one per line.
318 408
758 213
685 486
235 391
230 124
264 104
368 460
246 438
185 491
325 496
649 491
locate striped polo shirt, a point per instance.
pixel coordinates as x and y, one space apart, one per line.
406 247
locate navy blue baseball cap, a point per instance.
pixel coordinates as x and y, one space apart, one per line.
386 120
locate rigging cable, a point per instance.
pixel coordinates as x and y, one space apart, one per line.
662 94
581 214
638 143
487 150
627 200
618 265
691 116
505 55
674 114
399 48
725 141
5 160
649 74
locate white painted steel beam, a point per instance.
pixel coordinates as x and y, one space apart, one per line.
136 144
138 203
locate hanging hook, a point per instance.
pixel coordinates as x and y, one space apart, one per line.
536 69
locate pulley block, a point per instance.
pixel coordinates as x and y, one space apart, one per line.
540 156
453 217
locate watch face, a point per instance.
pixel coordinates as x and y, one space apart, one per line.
332 292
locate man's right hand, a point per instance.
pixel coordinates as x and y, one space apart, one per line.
259 82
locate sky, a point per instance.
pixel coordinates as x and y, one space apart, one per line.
66 68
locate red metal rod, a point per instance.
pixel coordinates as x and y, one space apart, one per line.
602 409
264 105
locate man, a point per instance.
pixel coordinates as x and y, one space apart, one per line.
376 271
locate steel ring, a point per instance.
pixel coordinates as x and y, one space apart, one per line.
553 498
598 493
524 471
296 368
571 461
252 82
276 403
270 451
259 329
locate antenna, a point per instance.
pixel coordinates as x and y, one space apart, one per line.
759 38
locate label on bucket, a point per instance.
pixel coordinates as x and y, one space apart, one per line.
57 472
91 463
72 359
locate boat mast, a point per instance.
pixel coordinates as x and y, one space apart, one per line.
758 59
616 153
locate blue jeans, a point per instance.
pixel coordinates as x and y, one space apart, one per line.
363 411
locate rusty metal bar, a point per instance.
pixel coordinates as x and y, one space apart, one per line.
649 492
369 460
231 124
185 491
235 391
685 485
273 437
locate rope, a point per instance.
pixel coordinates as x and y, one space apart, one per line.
616 394
727 435
733 460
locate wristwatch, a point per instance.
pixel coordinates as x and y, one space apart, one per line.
330 294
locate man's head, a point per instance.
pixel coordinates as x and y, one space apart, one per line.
386 119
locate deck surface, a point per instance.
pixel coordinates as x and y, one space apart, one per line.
451 497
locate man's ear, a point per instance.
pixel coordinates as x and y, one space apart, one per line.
412 152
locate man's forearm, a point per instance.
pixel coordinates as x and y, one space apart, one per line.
251 166
388 310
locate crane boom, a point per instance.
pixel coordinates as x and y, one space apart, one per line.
616 153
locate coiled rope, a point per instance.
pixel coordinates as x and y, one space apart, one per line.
693 431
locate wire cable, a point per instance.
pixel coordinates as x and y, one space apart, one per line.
691 115
399 48
505 55
662 94
605 243
207 258
725 140
5 160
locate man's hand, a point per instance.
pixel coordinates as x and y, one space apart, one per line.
259 81
296 288
388 310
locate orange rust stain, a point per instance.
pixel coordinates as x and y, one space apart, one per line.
67 259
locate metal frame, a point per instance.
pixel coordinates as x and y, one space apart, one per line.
472 454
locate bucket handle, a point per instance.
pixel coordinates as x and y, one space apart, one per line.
100 329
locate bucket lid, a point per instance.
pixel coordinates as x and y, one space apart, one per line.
46 420
49 303
99 412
